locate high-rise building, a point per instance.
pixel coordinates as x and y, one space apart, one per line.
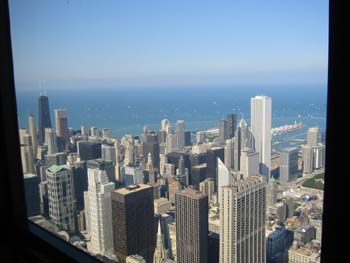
249 162
308 159
62 124
312 136
229 154
242 221
84 130
319 156
89 150
191 226
108 153
275 243
152 177
94 131
153 149
231 124
261 115
27 157
61 197
51 141
288 164
225 177
32 196
33 133
170 143
164 124
80 180
198 174
106 166
180 135
117 161
105 133
99 211
212 163
188 138
44 117
271 192
207 188
223 131
133 222
131 174
200 137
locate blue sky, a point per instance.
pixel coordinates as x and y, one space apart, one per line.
76 43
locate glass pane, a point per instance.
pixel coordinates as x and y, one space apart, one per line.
174 131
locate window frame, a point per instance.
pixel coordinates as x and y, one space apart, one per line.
28 242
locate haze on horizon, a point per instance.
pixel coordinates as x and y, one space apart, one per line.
144 43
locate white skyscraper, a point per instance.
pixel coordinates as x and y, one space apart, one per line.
225 176
180 135
261 115
242 221
99 211
312 136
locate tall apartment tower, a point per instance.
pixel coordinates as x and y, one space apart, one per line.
33 134
44 117
261 115
61 121
180 135
312 136
164 124
191 226
61 197
242 221
117 160
51 141
207 188
98 211
133 222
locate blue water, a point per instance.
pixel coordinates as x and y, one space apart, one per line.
129 110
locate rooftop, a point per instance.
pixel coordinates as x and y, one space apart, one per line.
132 189
57 168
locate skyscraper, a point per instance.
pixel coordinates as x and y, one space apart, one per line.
229 154
32 196
108 153
207 188
33 133
249 162
225 177
242 221
99 211
223 131
191 226
89 150
133 222
231 124
261 115
61 197
61 121
288 164
180 135
51 141
308 159
44 117
312 136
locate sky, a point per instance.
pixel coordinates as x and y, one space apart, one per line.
122 43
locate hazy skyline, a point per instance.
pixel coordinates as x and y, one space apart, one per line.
145 43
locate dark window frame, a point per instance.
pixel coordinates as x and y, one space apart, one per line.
27 242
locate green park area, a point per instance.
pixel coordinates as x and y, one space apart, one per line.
316 182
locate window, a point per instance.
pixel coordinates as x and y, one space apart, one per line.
62 146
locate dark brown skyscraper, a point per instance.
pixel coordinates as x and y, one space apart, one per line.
191 226
133 222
